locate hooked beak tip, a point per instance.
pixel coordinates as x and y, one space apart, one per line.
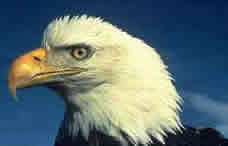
12 88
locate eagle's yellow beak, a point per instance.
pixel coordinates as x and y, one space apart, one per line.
24 69
31 69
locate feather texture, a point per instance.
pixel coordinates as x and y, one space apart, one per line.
128 89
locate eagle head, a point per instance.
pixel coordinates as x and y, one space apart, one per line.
109 80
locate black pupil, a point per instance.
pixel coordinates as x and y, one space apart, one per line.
80 52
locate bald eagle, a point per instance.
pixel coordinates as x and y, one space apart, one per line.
116 88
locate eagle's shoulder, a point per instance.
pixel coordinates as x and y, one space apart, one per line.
188 137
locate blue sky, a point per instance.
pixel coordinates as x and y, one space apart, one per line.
191 36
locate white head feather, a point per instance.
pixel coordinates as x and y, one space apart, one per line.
135 94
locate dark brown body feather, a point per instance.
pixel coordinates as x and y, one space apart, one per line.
189 137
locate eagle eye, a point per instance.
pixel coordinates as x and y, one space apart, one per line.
80 53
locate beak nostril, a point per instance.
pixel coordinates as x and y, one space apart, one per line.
36 58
